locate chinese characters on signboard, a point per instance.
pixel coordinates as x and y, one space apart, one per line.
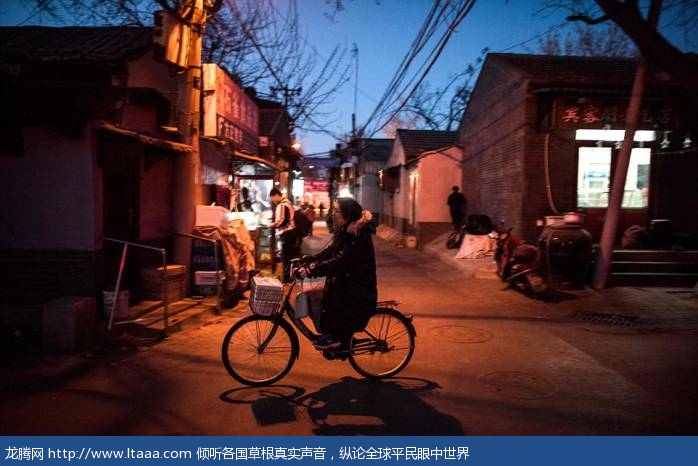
571 113
587 114
229 113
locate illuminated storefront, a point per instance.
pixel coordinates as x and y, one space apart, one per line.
541 136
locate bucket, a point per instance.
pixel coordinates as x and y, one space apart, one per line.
411 242
121 303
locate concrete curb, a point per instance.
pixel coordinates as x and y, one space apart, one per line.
483 268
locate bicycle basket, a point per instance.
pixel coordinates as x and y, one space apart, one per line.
265 297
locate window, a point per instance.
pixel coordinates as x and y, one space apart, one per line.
594 177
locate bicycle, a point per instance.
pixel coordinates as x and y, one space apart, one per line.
261 349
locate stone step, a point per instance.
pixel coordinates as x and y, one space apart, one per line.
652 255
654 267
653 279
150 315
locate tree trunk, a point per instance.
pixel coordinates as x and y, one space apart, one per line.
652 45
610 225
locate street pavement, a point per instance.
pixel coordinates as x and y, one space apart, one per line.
489 361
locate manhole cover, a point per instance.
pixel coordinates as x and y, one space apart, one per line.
519 385
607 319
457 334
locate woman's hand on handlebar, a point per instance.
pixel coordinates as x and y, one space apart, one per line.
305 270
305 259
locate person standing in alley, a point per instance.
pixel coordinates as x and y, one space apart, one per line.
456 205
286 229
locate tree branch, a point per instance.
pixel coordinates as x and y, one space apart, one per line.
588 20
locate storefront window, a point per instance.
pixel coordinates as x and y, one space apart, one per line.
594 178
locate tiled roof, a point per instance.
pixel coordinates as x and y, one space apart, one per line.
415 142
561 71
376 150
84 45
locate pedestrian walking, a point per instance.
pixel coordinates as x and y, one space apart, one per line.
286 229
456 205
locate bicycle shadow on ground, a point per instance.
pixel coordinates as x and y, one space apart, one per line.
271 405
372 407
353 407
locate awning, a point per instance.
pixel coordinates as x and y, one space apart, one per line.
234 154
144 138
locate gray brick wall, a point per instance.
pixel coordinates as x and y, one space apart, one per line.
36 276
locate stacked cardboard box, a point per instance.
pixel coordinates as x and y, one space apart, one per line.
174 285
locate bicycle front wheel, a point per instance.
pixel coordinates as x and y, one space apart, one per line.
259 350
384 347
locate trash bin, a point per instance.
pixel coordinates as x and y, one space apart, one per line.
565 253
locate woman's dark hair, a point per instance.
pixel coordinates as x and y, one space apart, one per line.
350 209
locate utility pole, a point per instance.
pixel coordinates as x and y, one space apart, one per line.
355 52
187 190
288 93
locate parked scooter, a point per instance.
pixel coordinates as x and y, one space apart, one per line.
518 264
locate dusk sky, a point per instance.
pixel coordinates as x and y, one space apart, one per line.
383 31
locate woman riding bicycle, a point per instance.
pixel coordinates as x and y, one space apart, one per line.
349 263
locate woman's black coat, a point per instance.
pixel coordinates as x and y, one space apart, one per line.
349 263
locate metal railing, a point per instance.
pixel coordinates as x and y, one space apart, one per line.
122 264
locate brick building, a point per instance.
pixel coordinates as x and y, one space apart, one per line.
87 153
541 133
416 181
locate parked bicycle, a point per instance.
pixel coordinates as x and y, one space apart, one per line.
261 349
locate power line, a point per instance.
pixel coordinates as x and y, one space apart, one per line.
434 56
410 88
404 64
549 31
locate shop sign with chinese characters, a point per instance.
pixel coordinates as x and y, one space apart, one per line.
595 113
229 113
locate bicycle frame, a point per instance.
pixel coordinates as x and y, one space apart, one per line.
261 349
287 309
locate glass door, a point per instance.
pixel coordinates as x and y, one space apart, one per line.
594 178
595 169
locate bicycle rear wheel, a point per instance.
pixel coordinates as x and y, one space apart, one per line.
384 347
259 350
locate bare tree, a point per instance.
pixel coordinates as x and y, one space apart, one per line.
627 14
293 70
441 108
402 121
607 40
